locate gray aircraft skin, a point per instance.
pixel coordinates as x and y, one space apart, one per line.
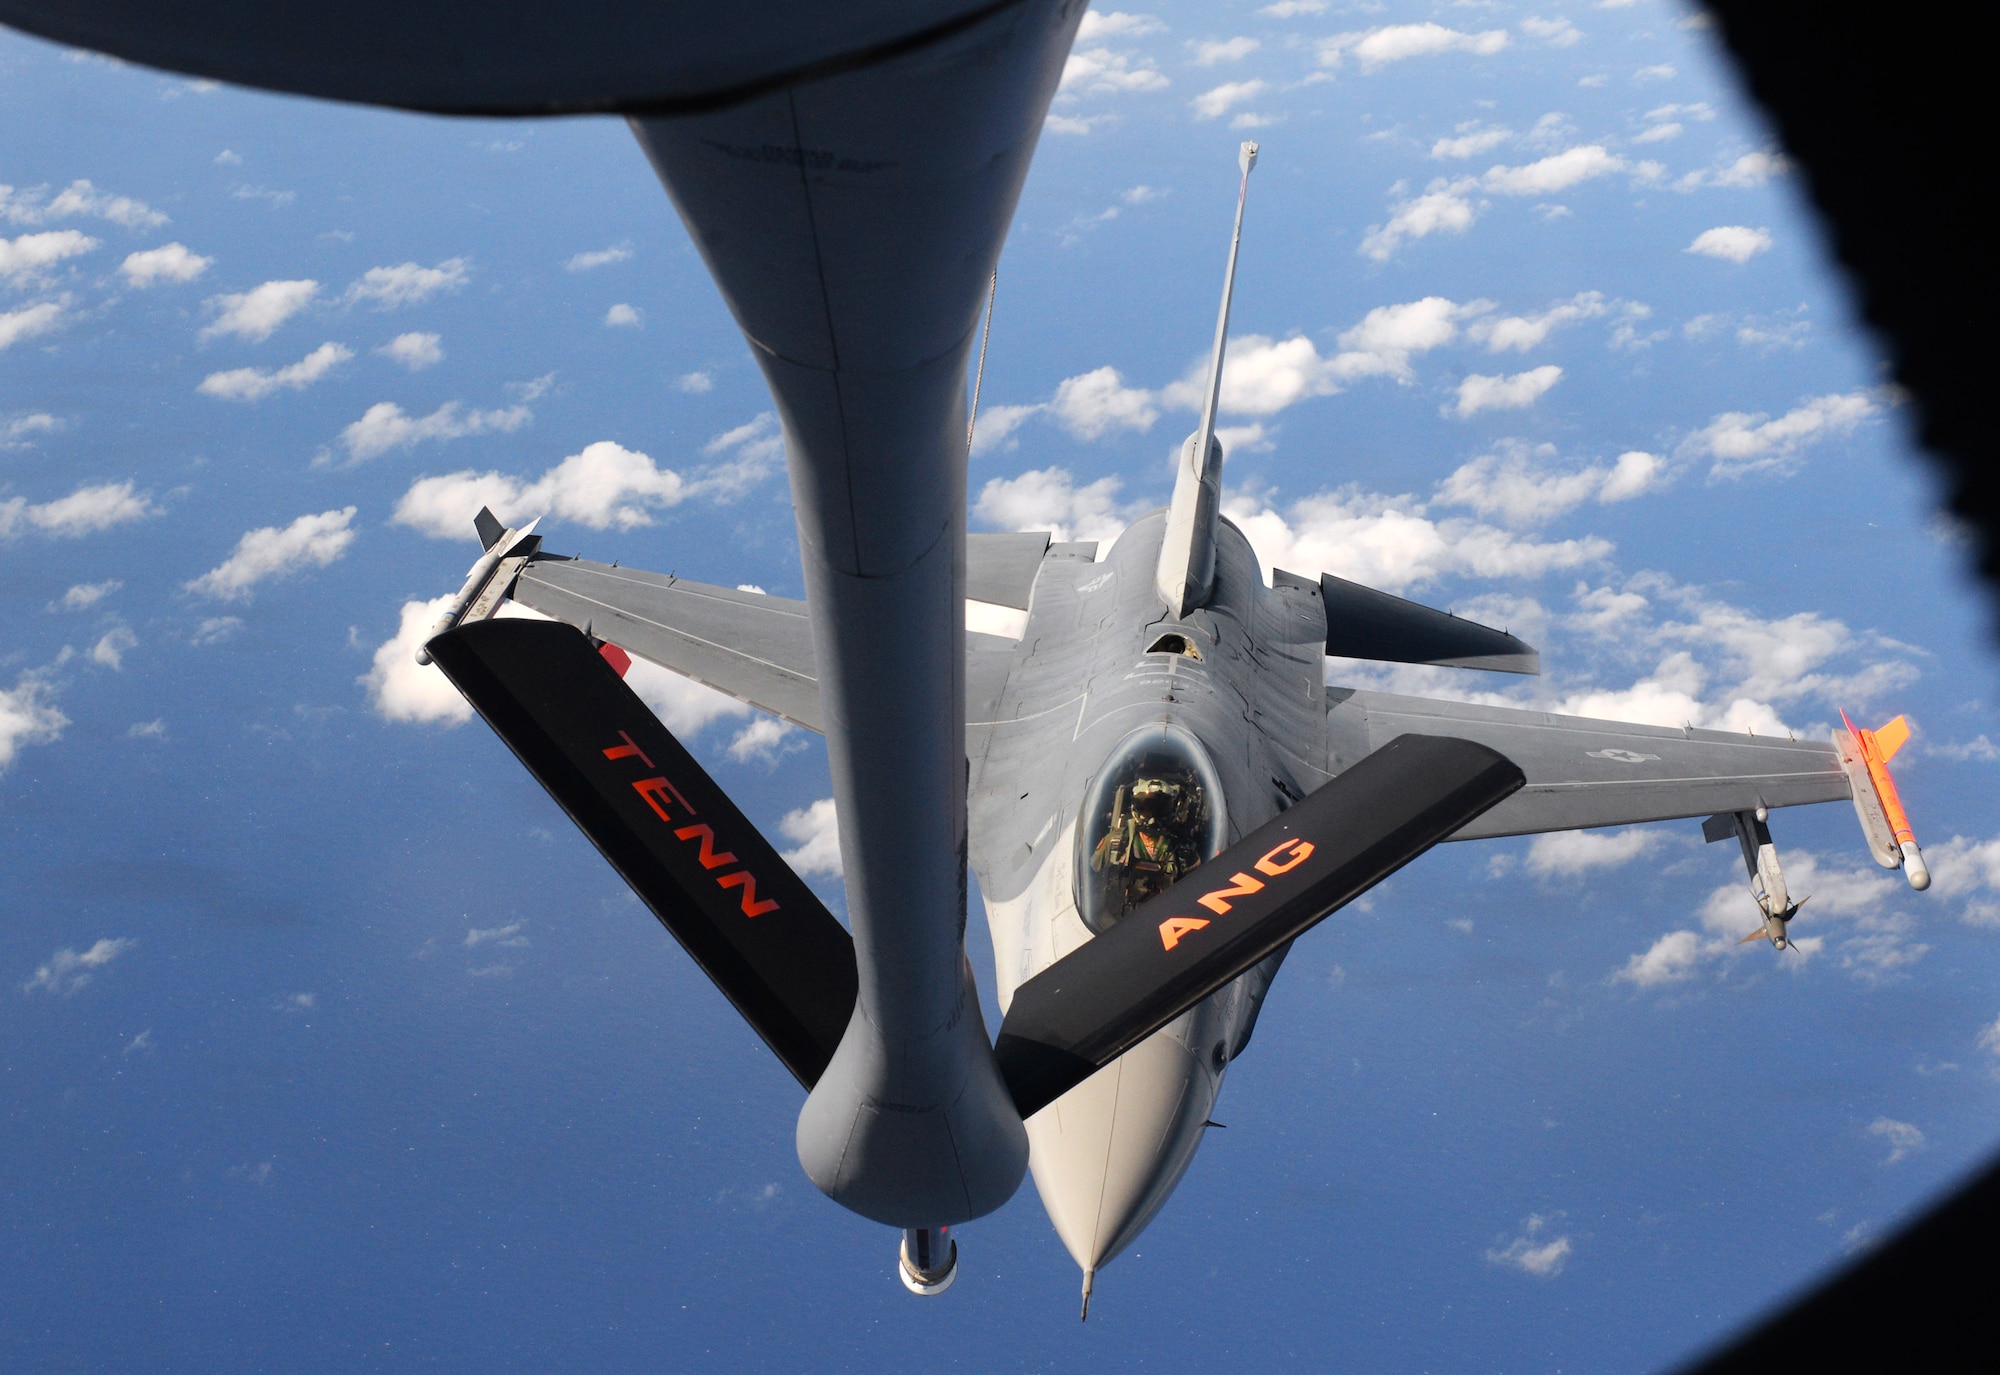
848 173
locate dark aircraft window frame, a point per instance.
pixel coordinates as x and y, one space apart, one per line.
1154 812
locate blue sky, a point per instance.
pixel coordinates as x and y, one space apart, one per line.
326 1043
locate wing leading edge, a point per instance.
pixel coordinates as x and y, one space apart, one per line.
1584 773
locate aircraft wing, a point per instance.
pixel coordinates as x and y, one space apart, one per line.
754 647
1584 773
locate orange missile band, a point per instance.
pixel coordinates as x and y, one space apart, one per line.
1877 749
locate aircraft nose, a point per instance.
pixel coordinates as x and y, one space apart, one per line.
1107 1154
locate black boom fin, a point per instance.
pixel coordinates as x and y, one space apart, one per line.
747 919
1175 949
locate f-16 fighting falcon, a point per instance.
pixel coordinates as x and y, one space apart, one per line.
1154 784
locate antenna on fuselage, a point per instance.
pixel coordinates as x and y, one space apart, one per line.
1187 553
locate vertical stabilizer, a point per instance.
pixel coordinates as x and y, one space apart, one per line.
1187 555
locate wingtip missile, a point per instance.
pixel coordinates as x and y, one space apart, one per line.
1865 754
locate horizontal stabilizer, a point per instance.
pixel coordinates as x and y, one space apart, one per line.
713 881
1362 623
1173 950
1001 569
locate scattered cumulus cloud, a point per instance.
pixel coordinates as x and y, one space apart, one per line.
256 314
26 260
213 630
1469 140
601 257
604 486
415 351
1375 48
1557 33
1220 99
110 649
1534 1251
1050 499
86 511
815 835
1093 402
386 425
85 595
1523 332
28 716
1904 1140
173 262
1514 392
1449 205
1748 170
1292 9
311 541
15 429
79 198
1208 52
1569 854
1116 24
1101 71
408 284
254 384
44 317
399 688
764 739
622 316
1742 442
1520 484
67 970
1734 243
695 383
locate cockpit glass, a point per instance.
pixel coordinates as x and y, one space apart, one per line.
1154 811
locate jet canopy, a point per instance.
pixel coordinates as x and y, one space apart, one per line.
1154 811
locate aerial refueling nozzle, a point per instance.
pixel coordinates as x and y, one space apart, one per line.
927 1261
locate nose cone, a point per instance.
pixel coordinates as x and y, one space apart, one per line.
1107 1154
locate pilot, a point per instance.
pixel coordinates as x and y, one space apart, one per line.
1146 841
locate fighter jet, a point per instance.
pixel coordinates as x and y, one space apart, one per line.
1153 783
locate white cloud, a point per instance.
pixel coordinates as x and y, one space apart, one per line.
213 630
1514 392
1208 52
1989 1037
1049 499
414 351
67 971
1073 124
28 258
604 486
1557 33
85 595
1672 958
1101 71
400 688
1749 170
1663 71
815 835
311 541
763 739
29 321
1743 443
256 313
1734 242
1444 207
28 716
1116 24
995 425
1218 100
1904 1139
1396 42
1567 854
147 730
1533 1252
109 651
253 384
602 257
172 262
1090 404
1392 544
78 198
86 511
1292 9
14 430
1658 133
509 934
408 284
695 383
1472 140
622 316
1516 483
1523 332
1557 172
385 426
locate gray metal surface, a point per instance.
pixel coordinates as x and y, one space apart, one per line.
1001 568
513 58
852 225
1584 773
